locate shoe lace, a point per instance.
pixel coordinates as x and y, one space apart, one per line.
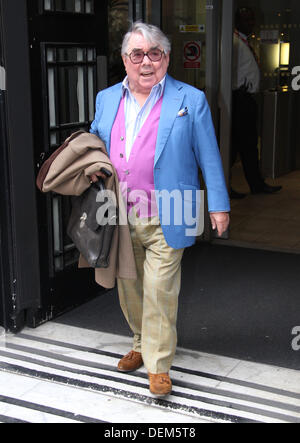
130 355
162 379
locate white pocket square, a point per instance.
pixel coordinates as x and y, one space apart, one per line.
183 112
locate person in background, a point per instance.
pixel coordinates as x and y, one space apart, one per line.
246 83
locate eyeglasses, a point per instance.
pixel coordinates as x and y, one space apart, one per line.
137 56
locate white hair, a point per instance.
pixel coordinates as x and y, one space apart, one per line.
152 35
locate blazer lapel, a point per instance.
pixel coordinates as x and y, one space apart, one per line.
172 103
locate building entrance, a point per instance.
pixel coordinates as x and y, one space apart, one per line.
265 219
67 51
55 62
74 52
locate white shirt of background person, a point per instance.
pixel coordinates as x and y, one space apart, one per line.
246 71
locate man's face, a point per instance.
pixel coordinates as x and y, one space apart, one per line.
143 76
247 22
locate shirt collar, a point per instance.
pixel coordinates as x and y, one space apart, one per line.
160 85
241 35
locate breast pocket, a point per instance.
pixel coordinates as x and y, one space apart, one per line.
183 123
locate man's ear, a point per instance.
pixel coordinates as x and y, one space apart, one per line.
125 61
168 59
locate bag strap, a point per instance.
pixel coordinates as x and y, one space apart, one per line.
47 164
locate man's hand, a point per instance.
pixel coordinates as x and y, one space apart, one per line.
95 177
220 221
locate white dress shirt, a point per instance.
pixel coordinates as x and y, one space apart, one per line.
246 71
135 116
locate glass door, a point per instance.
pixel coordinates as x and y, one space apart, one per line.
194 30
265 219
185 24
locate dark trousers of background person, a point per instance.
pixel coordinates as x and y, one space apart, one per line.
245 137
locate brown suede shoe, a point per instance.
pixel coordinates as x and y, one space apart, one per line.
130 362
160 384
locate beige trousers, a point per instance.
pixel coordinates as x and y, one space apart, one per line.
150 303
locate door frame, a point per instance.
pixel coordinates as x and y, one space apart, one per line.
225 96
6 255
21 249
220 26
137 10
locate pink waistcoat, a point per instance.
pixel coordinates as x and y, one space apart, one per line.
136 175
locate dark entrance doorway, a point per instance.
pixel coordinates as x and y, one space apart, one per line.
68 49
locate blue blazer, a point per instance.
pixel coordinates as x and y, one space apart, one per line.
184 143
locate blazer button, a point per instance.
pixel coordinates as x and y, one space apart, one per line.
121 155
122 139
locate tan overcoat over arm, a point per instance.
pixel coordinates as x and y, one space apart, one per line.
69 175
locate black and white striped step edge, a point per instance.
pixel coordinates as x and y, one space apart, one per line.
19 406
197 399
40 401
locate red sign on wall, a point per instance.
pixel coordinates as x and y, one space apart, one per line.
192 55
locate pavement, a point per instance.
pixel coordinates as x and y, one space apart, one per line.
61 373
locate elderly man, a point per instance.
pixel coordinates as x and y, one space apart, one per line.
158 131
